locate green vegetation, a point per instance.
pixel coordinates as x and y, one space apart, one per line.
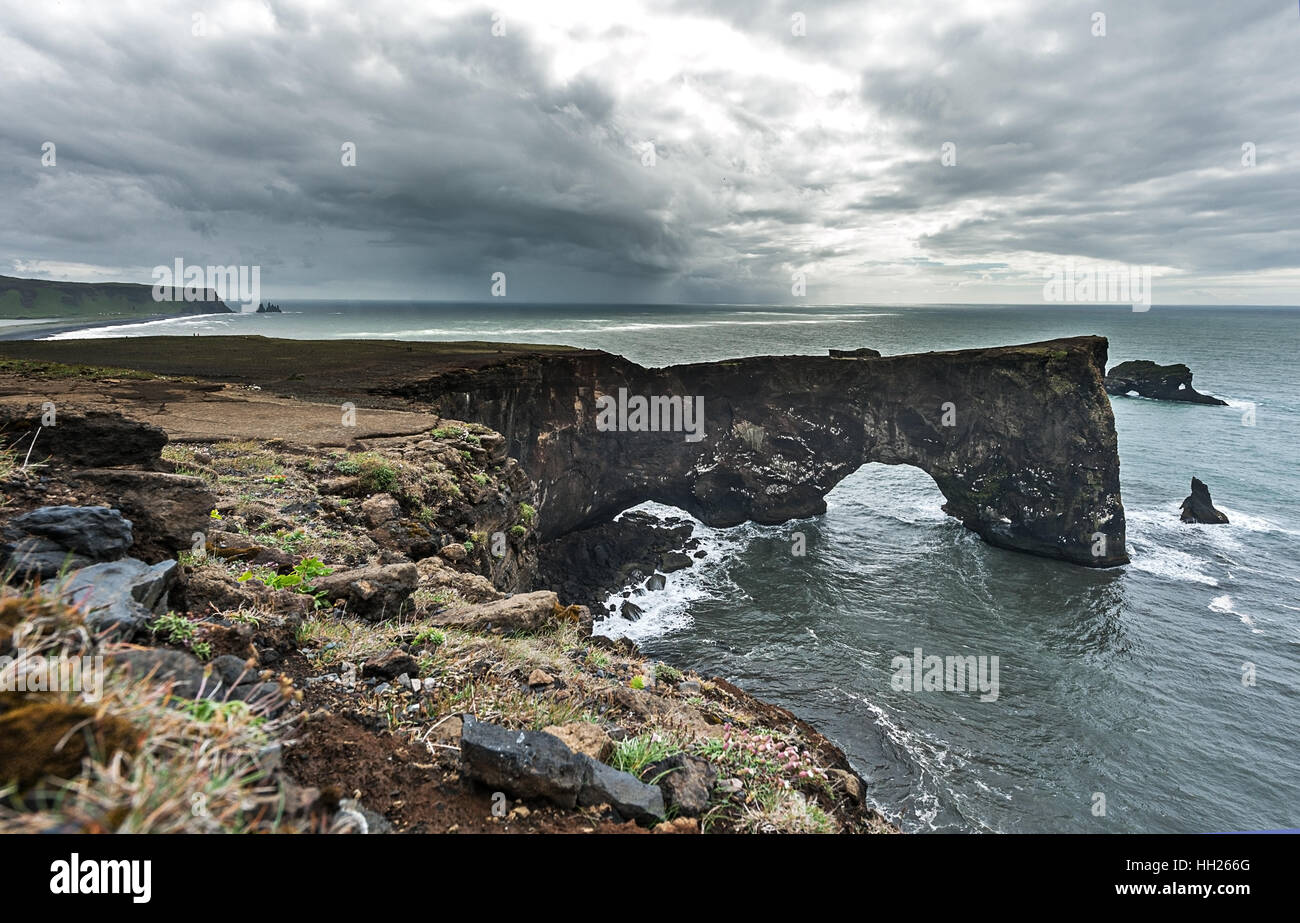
635 753
298 580
58 371
430 636
667 674
376 474
173 628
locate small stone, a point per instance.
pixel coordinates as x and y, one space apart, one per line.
851 784
686 782
380 508
674 561
732 786
391 665
540 677
689 687
453 552
382 688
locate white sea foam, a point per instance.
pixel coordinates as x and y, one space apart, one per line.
669 609
1170 563
1224 605
585 326
143 328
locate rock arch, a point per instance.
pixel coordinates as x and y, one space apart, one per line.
1019 439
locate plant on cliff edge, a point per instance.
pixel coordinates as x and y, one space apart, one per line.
635 753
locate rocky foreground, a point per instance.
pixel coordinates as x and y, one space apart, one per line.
337 628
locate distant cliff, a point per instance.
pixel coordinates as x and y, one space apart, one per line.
41 299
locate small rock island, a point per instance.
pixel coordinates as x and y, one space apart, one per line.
1200 508
1160 382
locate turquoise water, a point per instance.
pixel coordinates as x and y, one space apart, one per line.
1125 683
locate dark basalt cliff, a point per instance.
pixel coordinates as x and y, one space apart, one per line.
1160 382
1020 439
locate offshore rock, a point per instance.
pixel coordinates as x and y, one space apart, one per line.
1160 382
1200 508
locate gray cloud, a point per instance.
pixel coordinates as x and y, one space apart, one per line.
773 152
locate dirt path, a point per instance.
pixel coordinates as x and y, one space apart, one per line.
212 412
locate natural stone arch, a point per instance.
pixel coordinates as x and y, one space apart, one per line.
1019 439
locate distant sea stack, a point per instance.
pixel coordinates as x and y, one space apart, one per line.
1200 508
268 308
1160 382
42 299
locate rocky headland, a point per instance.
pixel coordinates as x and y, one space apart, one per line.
42 298
361 570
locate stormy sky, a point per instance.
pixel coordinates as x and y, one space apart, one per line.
688 151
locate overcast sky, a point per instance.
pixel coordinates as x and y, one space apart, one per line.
774 152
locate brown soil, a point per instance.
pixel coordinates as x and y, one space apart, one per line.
417 795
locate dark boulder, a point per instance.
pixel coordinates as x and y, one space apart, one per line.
622 791
535 764
864 352
1200 508
526 764
1160 382
50 539
120 597
374 592
391 665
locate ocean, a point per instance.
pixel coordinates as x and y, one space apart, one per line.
1163 696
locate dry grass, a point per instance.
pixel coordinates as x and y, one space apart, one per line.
189 767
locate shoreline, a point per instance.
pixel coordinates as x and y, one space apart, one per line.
39 330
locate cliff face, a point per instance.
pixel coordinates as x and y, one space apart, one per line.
1019 439
41 298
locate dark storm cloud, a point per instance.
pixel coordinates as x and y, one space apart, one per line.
772 152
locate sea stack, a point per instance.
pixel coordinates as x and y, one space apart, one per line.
1160 382
1200 508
